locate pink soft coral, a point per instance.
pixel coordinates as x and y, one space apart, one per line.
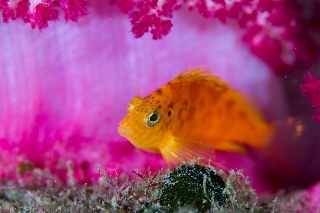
38 13
271 28
311 88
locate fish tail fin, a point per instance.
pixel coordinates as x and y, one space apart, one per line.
263 141
295 139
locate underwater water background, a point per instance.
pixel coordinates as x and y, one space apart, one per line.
64 89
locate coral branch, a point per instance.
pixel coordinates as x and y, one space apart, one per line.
73 9
272 29
152 16
42 14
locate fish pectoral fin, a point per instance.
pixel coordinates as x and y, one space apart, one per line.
230 147
179 150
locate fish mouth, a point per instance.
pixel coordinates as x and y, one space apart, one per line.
123 131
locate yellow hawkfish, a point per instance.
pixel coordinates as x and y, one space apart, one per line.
191 116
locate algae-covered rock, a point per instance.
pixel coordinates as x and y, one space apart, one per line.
192 185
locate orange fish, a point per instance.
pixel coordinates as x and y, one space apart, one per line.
191 116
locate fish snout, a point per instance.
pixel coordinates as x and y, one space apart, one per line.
123 129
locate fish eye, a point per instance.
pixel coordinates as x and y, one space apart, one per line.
152 119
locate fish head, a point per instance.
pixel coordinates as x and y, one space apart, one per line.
146 125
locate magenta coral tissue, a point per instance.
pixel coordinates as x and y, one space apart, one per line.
39 13
311 88
153 17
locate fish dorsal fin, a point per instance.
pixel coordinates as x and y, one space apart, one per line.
198 74
180 150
